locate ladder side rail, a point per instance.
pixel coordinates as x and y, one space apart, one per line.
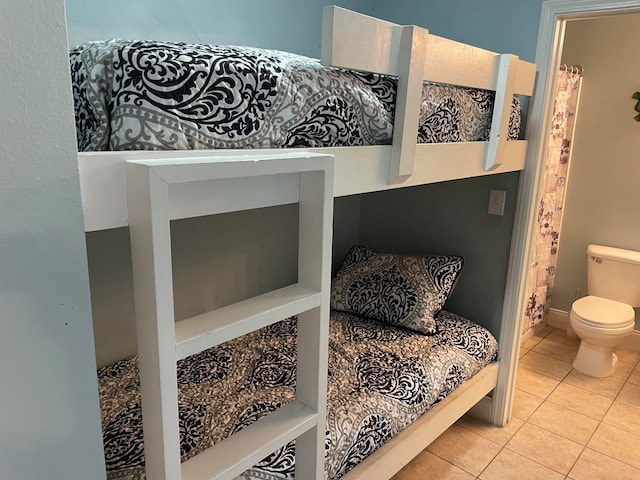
148 199
314 271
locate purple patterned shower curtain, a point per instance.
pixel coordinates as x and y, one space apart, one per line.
556 165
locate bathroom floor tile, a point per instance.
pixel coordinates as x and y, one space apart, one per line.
558 350
524 404
634 377
607 387
428 465
581 401
559 335
509 465
622 370
546 448
624 416
595 466
626 355
534 382
617 443
464 449
630 394
546 365
530 342
499 435
564 422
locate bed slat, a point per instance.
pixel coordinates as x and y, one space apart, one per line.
356 41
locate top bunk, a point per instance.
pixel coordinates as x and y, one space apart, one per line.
409 87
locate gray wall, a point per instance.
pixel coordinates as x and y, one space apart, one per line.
216 261
289 25
49 414
438 219
504 26
603 194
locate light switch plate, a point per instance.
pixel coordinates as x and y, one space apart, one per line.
496 202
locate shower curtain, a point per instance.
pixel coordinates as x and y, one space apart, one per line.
553 182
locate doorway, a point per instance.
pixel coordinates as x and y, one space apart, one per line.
553 21
603 201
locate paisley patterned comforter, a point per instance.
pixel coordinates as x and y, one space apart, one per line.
175 96
381 379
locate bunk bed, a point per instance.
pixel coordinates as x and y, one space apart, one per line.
145 190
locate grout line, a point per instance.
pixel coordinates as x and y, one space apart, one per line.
600 422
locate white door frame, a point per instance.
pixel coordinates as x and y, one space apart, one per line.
553 17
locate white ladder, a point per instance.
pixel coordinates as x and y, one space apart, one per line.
162 342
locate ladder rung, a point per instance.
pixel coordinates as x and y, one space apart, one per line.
204 331
247 447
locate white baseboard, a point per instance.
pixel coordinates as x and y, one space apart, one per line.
527 334
560 319
557 318
533 330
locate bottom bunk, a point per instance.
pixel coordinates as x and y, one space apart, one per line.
381 380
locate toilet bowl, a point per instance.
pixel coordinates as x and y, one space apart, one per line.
605 317
601 324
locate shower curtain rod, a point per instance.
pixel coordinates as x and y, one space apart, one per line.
572 68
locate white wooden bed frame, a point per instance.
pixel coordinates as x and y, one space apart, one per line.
146 190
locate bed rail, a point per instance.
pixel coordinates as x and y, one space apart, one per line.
357 41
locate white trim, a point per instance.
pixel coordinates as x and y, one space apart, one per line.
528 334
557 318
553 15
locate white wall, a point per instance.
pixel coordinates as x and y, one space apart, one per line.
603 193
49 422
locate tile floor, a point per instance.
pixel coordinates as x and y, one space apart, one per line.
565 425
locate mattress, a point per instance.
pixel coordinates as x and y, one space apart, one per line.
380 379
143 95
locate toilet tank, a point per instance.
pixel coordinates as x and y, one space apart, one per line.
614 273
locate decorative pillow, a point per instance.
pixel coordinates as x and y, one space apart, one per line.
402 290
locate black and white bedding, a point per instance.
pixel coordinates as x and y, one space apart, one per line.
142 95
381 379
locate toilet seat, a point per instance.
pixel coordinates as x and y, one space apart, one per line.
602 313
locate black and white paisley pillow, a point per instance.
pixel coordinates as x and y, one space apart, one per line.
402 290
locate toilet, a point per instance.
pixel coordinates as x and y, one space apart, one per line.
605 317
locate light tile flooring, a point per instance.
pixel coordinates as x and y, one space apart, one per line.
565 425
